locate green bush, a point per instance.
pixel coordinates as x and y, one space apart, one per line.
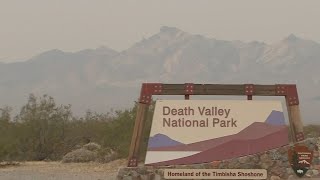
44 130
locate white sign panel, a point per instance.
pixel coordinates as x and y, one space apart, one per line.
199 131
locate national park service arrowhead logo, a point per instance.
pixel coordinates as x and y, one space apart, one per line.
300 158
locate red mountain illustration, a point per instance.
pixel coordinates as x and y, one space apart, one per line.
237 147
254 131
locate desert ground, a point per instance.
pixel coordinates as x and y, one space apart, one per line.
61 171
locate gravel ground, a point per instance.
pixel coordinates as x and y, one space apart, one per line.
61 171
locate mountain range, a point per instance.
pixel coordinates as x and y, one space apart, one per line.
102 78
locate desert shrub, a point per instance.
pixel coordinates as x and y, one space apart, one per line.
44 130
92 146
80 155
312 130
106 155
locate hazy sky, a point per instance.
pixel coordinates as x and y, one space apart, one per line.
29 27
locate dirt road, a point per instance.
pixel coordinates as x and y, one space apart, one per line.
61 171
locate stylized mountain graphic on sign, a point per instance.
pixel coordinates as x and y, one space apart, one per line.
276 118
254 131
161 140
232 146
303 162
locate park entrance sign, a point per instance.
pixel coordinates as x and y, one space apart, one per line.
200 131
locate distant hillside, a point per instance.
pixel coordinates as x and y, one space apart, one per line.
102 78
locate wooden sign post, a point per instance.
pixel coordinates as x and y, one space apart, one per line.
289 91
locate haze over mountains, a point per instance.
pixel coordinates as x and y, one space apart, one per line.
100 79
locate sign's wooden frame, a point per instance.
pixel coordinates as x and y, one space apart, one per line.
289 91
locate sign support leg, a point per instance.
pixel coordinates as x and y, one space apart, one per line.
136 136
